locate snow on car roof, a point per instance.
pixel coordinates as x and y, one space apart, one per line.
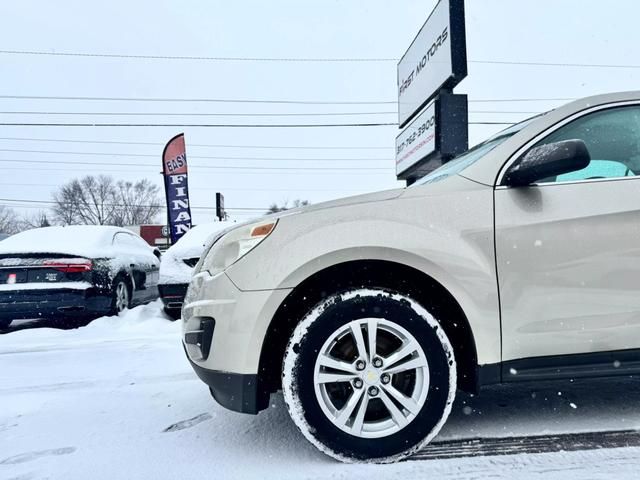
83 240
192 243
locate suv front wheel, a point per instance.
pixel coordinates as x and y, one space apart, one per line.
369 375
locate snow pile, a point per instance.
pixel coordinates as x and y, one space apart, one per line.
191 245
118 399
139 322
91 241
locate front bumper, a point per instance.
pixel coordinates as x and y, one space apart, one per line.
231 363
235 391
53 303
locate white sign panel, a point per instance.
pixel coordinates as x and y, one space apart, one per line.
416 141
437 57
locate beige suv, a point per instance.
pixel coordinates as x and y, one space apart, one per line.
517 261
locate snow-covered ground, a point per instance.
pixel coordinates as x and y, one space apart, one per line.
117 399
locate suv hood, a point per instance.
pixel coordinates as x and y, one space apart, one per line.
341 202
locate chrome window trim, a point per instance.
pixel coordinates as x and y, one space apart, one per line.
550 130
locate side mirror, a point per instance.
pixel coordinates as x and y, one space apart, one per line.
157 253
547 161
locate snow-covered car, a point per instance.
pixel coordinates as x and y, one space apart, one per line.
517 261
81 271
178 263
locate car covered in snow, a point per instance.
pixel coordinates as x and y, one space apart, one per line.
178 263
79 271
516 261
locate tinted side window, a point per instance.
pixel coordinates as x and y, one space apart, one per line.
612 138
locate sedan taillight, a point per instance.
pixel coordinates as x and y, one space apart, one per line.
69 265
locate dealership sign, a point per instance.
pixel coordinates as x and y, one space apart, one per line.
417 141
437 134
174 169
435 60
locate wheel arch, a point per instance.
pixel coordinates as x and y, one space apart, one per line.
390 275
126 276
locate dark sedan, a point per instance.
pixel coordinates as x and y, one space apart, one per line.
75 272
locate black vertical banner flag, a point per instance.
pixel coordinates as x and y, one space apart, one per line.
174 169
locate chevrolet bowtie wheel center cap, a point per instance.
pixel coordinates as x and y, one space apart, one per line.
371 377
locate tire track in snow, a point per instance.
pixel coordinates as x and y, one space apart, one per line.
568 442
190 422
64 386
30 456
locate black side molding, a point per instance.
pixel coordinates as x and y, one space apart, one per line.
557 367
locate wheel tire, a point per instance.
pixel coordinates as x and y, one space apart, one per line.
120 296
310 401
4 324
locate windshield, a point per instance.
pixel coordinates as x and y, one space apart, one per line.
471 156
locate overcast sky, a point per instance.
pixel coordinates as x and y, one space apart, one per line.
578 31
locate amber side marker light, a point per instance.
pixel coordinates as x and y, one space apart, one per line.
262 230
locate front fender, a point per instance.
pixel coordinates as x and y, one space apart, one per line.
447 237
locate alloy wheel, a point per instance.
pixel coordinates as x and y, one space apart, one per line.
371 378
122 297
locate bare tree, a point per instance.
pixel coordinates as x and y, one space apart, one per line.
138 203
275 208
9 222
89 200
100 200
36 220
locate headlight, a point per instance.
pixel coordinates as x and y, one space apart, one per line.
235 245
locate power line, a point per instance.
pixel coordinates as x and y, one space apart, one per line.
209 100
232 189
209 167
528 112
226 114
51 202
299 59
202 114
220 125
236 212
491 123
188 58
151 155
197 125
515 100
253 101
249 171
554 64
115 142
